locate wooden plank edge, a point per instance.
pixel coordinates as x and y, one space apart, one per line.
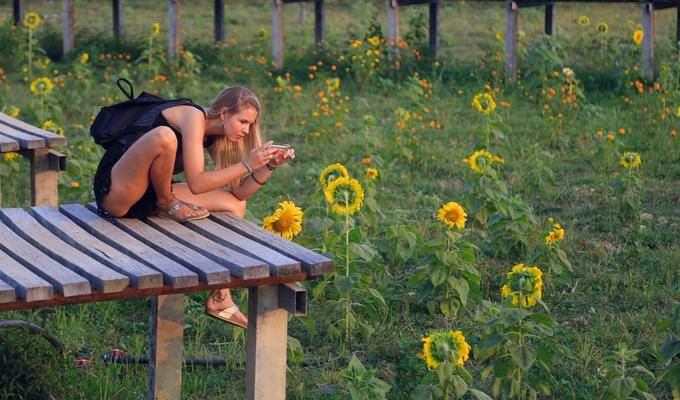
131 293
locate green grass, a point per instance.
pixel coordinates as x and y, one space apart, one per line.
625 277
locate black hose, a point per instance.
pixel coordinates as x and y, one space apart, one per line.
34 328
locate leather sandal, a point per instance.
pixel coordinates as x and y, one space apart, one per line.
171 209
226 315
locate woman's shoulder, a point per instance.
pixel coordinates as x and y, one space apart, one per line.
179 114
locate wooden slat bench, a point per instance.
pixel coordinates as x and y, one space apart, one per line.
51 257
37 145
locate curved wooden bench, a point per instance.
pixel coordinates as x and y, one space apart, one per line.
51 257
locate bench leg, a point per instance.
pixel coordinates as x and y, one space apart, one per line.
43 179
165 360
266 349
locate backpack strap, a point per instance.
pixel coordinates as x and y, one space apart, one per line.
129 94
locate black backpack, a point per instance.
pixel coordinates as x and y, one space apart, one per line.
116 123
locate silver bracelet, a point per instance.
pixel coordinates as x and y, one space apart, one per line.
250 170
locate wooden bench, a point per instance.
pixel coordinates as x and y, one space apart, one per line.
51 257
37 145
54 255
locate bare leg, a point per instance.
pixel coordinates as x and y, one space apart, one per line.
149 160
215 200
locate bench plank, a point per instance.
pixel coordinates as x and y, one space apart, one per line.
312 263
141 276
66 282
174 274
100 276
279 264
7 293
28 286
8 144
26 140
208 270
51 138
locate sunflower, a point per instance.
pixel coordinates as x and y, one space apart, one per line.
443 347
630 160
481 161
286 220
42 86
14 111
583 20
31 20
84 58
638 36
555 235
602 27
484 103
452 214
374 40
155 29
372 173
331 173
345 194
568 73
10 156
525 282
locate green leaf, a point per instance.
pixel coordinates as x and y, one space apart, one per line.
501 368
459 385
541 318
622 387
524 356
424 392
640 368
461 286
563 258
362 250
479 395
354 235
376 294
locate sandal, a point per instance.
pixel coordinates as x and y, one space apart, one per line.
171 209
226 315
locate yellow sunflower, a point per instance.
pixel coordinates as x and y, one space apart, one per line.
372 173
555 235
31 20
41 86
155 29
481 161
10 156
14 111
524 282
345 194
331 173
602 27
583 20
374 40
638 36
630 160
84 58
452 214
443 347
484 103
286 220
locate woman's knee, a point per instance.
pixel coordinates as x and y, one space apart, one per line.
164 138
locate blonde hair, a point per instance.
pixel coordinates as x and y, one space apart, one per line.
224 152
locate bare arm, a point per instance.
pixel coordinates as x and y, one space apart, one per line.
249 186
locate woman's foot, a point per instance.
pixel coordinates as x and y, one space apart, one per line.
180 210
220 305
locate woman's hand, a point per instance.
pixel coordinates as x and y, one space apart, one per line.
259 156
282 157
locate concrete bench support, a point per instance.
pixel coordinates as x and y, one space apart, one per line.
266 349
165 360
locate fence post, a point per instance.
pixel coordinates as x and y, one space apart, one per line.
511 41
277 32
173 29
319 20
435 22
648 41
117 19
67 25
393 28
219 20
550 19
18 12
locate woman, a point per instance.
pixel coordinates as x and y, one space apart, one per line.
135 179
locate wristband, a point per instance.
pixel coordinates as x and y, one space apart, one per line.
256 181
250 170
269 166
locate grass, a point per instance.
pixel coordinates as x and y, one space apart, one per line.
625 278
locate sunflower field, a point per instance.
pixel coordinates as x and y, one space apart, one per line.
491 241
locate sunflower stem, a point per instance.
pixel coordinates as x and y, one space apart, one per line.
347 299
30 52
